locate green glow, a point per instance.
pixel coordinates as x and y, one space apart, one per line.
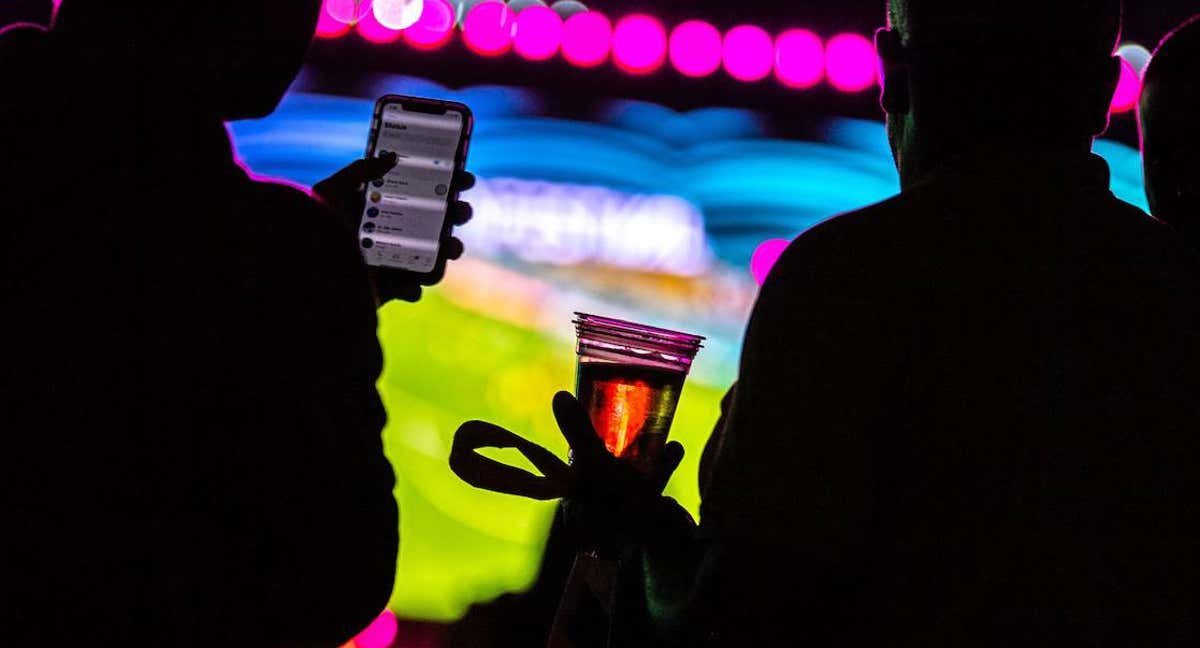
444 365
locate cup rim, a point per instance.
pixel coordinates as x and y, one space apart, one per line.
636 331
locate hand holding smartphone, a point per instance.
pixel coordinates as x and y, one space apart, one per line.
406 220
402 199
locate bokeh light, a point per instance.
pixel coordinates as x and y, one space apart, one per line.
587 39
348 11
850 63
765 256
397 14
488 28
1137 56
538 33
695 48
749 53
330 27
380 634
518 6
434 28
799 58
639 44
567 8
1129 89
374 31
464 7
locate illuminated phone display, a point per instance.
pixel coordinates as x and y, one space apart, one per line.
404 215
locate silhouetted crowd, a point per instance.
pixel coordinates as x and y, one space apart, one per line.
967 415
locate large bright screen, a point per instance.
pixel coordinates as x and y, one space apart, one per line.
639 213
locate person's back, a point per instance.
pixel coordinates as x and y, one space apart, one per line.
966 415
194 454
1015 368
1170 130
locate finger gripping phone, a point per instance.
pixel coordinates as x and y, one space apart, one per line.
404 221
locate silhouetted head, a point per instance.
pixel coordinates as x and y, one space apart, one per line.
1170 120
970 75
233 58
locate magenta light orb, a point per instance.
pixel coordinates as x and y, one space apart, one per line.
695 48
434 28
538 34
348 11
587 39
376 32
799 58
330 27
749 53
1129 89
488 28
380 634
639 44
765 256
850 63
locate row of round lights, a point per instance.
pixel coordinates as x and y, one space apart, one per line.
638 44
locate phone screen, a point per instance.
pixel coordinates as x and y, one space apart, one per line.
405 212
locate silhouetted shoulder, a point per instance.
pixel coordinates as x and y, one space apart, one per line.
850 241
295 231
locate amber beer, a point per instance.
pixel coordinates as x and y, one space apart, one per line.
629 378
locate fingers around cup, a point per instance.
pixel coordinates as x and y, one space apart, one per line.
576 427
672 456
454 249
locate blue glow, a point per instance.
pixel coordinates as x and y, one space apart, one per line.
1126 165
681 129
748 187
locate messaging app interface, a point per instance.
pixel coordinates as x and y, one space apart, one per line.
406 210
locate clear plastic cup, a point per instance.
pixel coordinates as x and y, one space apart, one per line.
629 379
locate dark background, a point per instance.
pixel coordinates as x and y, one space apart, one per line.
338 64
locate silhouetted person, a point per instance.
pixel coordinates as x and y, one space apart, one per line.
966 415
192 452
1170 121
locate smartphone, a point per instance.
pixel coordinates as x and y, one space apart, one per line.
404 214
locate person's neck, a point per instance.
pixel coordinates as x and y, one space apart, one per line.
1010 156
187 139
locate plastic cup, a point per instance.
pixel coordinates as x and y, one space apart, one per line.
629 377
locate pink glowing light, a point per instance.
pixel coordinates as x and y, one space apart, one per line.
749 53
4 29
488 28
538 33
1129 89
765 256
330 27
799 58
376 32
639 44
695 48
850 63
587 39
434 28
348 11
380 634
